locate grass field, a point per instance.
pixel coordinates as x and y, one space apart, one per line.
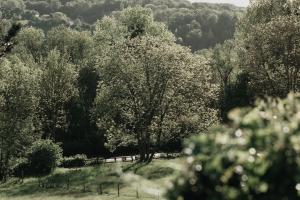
135 181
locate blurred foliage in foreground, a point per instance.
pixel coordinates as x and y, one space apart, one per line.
255 157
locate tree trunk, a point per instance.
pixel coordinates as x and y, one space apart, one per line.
143 144
4 167
157 146
148 143
142 155
142 151
1 158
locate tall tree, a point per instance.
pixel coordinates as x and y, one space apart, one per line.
57 88
150 88
270 32
224 60
18 104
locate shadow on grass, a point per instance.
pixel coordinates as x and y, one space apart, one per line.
134 167
149 171
77 183
70 182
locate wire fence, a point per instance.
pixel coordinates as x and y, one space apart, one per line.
114 191
109 188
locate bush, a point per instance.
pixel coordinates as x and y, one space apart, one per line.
79 160
43 157
255 157
21 168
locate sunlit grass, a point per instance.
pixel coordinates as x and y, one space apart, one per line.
88 182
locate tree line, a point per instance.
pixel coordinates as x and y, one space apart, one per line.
127 84
196 25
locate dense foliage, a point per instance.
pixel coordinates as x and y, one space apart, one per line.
7 33
128 79
262 59
231 78
108 77
255 157
270 38
151 88
21 168
18 104
79 160
196 25
63 56
43 157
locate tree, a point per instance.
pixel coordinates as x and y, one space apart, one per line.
12 8
77 45
81 135
30 41
270 34
57 88
6 38
43 157
18 104
152 92
224 61
150 89
233 81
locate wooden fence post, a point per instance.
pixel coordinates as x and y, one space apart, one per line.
100 189
84 189
22 176
68 184
39 181
137 193
118 189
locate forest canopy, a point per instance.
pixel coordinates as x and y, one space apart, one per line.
197 25
126 87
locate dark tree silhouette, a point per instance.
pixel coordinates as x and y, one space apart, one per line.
6 43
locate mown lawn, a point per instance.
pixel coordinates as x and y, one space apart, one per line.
98 182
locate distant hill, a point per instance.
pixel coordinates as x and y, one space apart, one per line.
241 3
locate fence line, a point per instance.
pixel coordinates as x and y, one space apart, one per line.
131 158
99 189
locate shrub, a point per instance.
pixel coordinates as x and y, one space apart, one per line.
43 157
21 168
79 160
256 157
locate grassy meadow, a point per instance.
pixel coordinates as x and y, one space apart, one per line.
135 181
